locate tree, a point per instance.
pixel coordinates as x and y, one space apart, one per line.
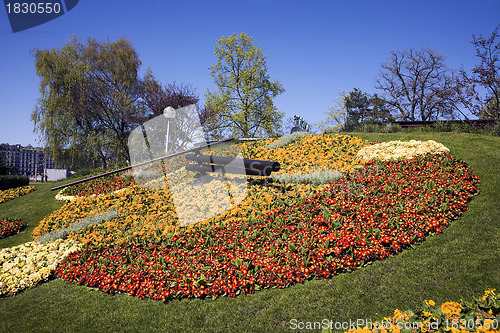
156 97
355 109
485 76
380 113
363 109
357 105
89 101
417 85
212 123
336 115
242 105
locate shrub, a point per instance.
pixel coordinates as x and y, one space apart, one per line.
88 172
463 127
7 170
367 128
495 129
331 130
8 182
372 128
425 129
443 126
390 128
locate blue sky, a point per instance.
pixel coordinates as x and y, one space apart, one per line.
315 48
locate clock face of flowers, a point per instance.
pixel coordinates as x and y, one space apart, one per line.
315 226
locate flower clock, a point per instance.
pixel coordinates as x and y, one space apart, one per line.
388 199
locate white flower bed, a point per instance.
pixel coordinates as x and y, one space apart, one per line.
395 150
26 265
61 197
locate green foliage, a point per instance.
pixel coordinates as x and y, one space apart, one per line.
425 128
242 105
357 105
89 172
286 140
363 109
368 128
356 109
440 126
466 128
336 116
495 129
390 128
12 181
443 126
7 169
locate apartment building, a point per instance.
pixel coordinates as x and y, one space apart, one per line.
28 161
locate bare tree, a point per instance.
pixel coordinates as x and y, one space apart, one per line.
156 97
417 85
485 76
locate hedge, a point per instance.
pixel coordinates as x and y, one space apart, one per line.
8 182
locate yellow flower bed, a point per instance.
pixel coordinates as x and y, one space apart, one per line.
332 152
26 265
140 210
394 150
15 193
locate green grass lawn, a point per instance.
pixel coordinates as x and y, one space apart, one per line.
458 264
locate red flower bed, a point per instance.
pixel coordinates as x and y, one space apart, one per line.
115 182
106 184
9 227
369 215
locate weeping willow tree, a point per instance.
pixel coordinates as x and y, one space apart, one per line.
89 101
